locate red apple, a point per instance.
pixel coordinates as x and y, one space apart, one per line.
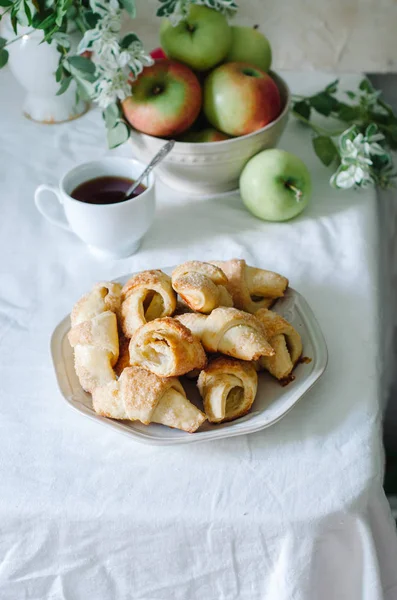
240 98
165 100
158 54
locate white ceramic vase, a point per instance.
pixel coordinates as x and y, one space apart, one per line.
34 65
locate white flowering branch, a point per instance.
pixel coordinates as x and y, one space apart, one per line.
116 60
177 10
361 150
106 64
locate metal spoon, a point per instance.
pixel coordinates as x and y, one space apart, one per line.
162 153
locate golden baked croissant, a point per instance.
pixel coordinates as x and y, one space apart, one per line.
167 348
201 285
146 296
286 342
139 395
228 388
94 335
229 331
251 288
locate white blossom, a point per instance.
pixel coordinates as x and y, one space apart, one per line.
348 177
105 7
114 62
105 33
180 12
111 87
226 7
356 150
179 9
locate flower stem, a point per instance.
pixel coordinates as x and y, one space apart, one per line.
15 39
318 129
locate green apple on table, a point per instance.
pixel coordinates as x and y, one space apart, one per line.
275 185
165 99
201 41
240 98
251 46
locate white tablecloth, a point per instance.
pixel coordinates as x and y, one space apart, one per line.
295 512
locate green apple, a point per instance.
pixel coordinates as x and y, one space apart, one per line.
201 41
204 136
275 185
250 46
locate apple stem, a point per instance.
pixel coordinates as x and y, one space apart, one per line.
298 193
255 27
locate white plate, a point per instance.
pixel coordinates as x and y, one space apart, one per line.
272 401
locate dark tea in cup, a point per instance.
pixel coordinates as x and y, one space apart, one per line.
105 190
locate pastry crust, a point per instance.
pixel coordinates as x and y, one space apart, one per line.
167 348
103 296
228 388
145 297
142 396
286 342
252 288
201 285
94 335
229 331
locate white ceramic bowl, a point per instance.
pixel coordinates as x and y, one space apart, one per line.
213 167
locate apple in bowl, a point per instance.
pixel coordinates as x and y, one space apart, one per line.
211 168
203 136
165 99
240 99
250 46
201 40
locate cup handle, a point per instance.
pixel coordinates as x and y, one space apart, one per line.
42 206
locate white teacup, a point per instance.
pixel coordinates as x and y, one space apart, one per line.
111 230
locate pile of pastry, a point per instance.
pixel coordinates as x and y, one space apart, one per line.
209 321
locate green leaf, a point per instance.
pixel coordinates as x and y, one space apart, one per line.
59 73
323 103
14 23
111 115
82 64
390 133
64 85
3 42
90 19
351 95
332 87
348 113
366 86
371 130
3 58
48 34
130 7
84 90
325 149
118 135
129 39
302 108
6 3
46 23
162 12
28 12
